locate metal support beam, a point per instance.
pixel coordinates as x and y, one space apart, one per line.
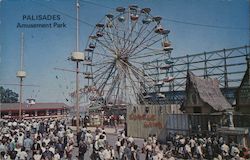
225 70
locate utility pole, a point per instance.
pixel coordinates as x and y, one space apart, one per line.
21 74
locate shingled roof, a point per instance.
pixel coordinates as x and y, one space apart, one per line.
209 92
243 93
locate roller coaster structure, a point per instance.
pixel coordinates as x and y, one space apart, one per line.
227 65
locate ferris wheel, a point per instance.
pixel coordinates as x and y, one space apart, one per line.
117 52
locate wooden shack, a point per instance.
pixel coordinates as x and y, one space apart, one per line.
204 96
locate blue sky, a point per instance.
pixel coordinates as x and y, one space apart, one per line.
196 26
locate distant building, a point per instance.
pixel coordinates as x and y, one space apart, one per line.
34 110
243 92
204 96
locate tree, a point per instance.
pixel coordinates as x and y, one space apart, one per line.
8 96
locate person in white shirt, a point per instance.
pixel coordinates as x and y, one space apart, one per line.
106 154
224 150
18 148
89 137
199 151
154 139
20 139
148 147
160 155
150 139
188 151
235 151
37 155
51 148
130 139
46 140
22 155
104 136
101 141
118 145
35 126
97 136
51 126
123 135
123 146
56 156
112 152
168 156
101 153
43 147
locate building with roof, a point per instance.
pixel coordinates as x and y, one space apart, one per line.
34 110
204 96
243 92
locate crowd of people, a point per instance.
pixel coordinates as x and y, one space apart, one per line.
53 139
209 147
36 140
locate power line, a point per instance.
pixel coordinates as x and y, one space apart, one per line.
207 25
97 4
168 19
178 21
67 15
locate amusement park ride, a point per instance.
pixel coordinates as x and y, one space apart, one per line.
127 61
226 65
114 61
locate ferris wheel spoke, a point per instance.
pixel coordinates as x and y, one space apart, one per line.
104 55
148 54
117 36
128 38
138 77
110 40
141 62
103 63
141 42
117 92
140 91
137 71
144 64
134 41
131 81
100 73
145 43
107 47
111 72
123 79
148 80
146 47
112 87
134 88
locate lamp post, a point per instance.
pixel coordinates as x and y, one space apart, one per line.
21 75
77 57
